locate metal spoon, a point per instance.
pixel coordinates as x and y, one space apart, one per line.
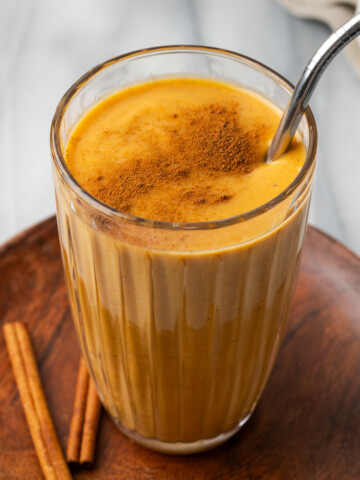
307 83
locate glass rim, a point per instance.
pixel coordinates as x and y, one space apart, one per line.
59 161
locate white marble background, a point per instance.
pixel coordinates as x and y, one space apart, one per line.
45 45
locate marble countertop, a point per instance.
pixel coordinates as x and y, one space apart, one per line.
45 46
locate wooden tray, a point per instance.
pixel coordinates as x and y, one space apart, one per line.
307 424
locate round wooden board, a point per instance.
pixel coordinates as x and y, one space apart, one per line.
306 426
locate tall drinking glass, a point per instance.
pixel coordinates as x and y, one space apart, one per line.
179 323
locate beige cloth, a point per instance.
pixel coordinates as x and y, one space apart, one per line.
334 13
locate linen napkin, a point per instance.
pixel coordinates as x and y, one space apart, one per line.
332 12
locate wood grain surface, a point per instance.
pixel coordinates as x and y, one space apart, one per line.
307 423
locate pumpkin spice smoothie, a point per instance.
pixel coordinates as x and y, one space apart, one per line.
179 320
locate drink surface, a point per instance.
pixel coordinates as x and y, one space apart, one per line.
181 150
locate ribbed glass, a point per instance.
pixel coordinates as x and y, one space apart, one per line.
180 324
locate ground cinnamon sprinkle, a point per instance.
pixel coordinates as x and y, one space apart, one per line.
206 140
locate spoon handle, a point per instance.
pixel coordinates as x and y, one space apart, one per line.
307 83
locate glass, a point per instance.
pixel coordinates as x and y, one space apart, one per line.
180 324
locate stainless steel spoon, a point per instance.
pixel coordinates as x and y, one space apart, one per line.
307 83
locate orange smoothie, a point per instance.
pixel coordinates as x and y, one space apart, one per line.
180 327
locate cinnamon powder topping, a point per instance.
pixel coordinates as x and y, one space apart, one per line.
207 141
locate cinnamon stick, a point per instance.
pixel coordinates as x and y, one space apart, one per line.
91 422
77 420
50 455
85 420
